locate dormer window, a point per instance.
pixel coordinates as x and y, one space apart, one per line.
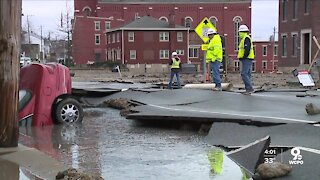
87 11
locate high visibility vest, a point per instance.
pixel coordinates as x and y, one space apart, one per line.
175 63
214 51
241 48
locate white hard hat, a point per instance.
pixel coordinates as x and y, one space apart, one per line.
243 28
174 53
211 31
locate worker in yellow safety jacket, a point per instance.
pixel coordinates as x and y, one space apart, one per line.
214 56
246 56
175 69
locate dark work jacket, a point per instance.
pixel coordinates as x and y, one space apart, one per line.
175 69
247 47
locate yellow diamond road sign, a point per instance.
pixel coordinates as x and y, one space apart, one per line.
202 29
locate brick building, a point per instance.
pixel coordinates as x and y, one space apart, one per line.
299 20
96 17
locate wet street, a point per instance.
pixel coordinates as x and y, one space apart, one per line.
113 147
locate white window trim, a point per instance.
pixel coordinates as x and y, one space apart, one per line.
109 24
97 25
164 50
164 33
131 34
265 46
282 55
265 61
216 19
185 21
163 17
180 50
254 66
236 64
95 36
134 53
197 55
275 53
297 50
180 40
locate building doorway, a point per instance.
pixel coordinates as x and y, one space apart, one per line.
305 47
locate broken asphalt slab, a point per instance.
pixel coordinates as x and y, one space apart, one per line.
217 106
233 135
251 155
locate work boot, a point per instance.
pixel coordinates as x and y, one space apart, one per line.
217 89
249 92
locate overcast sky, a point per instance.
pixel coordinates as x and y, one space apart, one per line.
47 13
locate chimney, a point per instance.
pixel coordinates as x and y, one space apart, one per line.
172 19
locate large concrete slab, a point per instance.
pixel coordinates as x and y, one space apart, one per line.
234 135
259 107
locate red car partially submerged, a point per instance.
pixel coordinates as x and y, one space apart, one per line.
45 96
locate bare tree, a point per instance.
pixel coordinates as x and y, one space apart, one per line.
10 28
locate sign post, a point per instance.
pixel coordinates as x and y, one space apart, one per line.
202 31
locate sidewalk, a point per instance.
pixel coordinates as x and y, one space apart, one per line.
27 163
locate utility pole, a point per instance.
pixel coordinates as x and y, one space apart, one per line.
10 29
28 25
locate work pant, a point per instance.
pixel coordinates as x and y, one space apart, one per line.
215 70
172 74
246 74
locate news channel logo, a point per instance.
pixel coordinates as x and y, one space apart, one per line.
297 157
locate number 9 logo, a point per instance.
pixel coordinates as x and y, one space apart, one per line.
295 152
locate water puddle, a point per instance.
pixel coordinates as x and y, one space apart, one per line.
110 146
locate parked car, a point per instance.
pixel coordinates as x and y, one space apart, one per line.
45 96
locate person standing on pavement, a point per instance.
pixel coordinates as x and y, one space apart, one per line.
175 69
246 56
214 57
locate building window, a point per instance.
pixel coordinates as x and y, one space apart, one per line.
108 25
109 39
87 11
294 44
253 66
164 36
131 36
113 38
284 45
179 37
237 22
275 50
193 52
213 20
284 10
164 54
264 65
306 6
295 9
180 51
97 25
97 39
163 18
118 37
188 22
264 50
236 65
133 54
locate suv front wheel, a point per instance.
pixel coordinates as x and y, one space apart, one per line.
68 111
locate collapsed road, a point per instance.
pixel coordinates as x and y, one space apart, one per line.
237 119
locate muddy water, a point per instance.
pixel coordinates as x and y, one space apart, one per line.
113 147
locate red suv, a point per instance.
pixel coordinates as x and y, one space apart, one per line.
45 96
